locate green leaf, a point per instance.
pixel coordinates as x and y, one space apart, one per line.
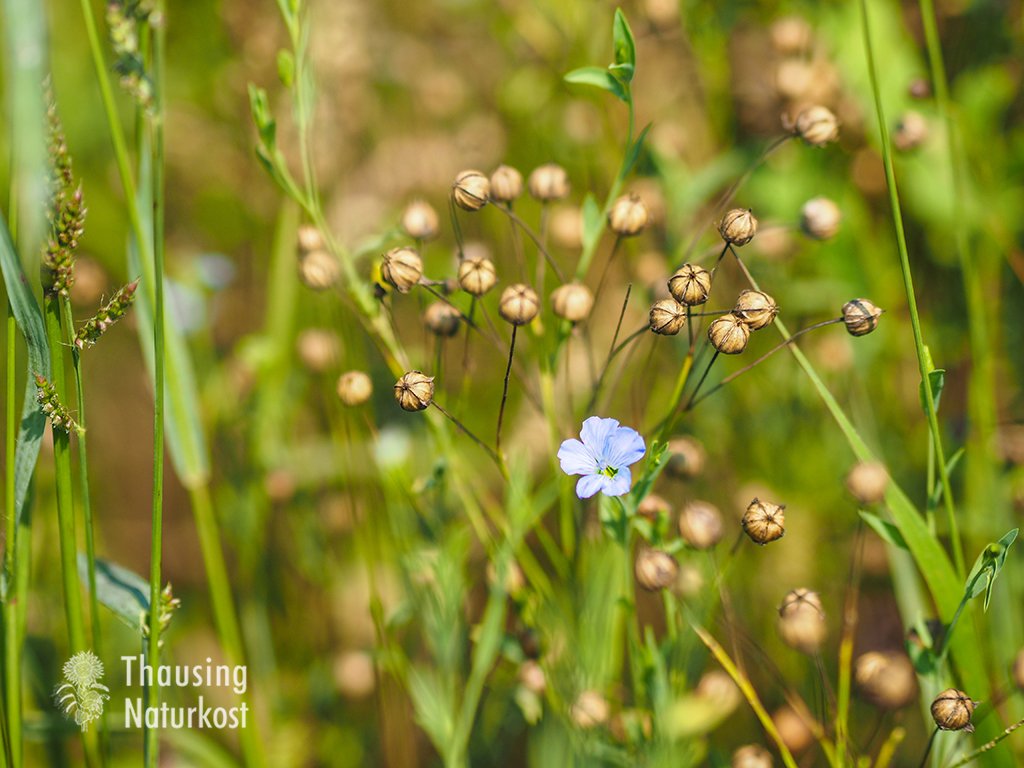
623 44
889 532
987 567
657 459
259 106
599 78
936 380
286 67
119 589
634 151
936 495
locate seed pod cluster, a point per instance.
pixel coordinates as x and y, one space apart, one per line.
690 285
518 304
402 269
952 711
414 391
802 620
764 522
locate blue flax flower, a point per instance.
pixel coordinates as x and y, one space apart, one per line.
603 457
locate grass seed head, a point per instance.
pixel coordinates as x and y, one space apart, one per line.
764 522
414 391
354 388
729 334
477 275
471 190
506 184
952 711
419 220
738 226
519 304
548 182
690 285
667 317
860 317
572 302
820 218
755 309
628 216
402 269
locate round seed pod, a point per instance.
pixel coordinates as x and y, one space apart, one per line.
506 184
419 220
817 126
791 36
795 733
667 317
518 304
354 388
820 218
471 190
477 275
764 522
886 679
572 302
590 710
751 756
442 319
738 226
318 349
860 317
652 506
628 216
728 334
309 239
911 131
690 285
319 270
401 268
549 182
1018 669
687 457
718 691
700 525
755 309
655 569
532 677
802 621
414 391
952 711
867 481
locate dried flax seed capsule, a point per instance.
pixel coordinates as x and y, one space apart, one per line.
911 131
751 756
860 317
817 126
652 506
728 334
402 269
791 36
518 304
318 349
667 317
354 388
442 319
690 285
867 481
764 522
628 216
952 711
549 182
572 302
886 679
477 275
820 218
309 239
471 190
802 620
755 309
414 391
738 226
506 184
700 525
319 270
655 569
686 457
419 220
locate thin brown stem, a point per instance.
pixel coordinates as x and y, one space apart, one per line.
490 451
928 749
504 391
607 267
707 370
536 241
600 380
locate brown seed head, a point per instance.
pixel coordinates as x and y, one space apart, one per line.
795 733
911 131
419 220
729 334
700 525
549 182
442 319
738 226
755 309
309 239
402 269
667 317
318 348
860 317
477 275
506 184
652 506
802 620
886 678
867 481
655 569
952 711
414 391
820 218
471 190
764 522
572 302
518 304
319 270
751 756
817 126
691 285
628 216
354 388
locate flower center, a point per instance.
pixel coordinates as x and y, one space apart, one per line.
609 471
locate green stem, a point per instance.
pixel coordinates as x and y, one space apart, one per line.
987 746
908 284
11 608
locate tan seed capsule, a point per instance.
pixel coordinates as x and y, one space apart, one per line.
414 391
549 182
802 620
354 388
690 285
309 239
471 190
952 711
817 126
652 506
764 522
319 270
402 269
751 756
792 728
728 334
506 184
860 317
318 349
655 569
911 131
718 691
518 304
700 525
442 319
886 679
590 710
867 481
477 275
791 36
820 218
572 302
628 216
419 220
687 457
667 317
756 309
738 226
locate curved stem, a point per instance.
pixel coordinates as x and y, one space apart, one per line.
696 389
504 390
490 451
535 238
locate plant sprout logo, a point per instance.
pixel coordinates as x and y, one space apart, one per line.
82 694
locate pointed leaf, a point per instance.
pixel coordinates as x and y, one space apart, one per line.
889 532
623 43
119 589
599 78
